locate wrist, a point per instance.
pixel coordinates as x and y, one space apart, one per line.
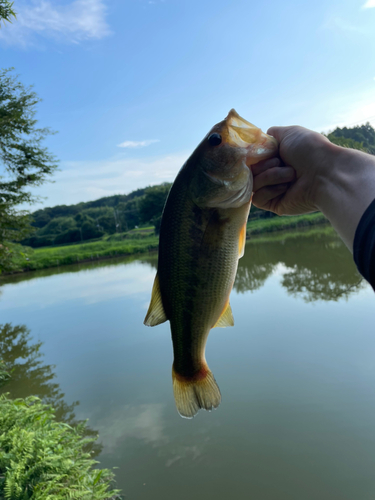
345 188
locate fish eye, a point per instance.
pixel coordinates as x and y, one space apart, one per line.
214 139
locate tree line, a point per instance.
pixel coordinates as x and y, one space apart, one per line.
85 221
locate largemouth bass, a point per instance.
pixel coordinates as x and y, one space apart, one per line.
202 236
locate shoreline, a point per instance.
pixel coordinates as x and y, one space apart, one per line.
55 257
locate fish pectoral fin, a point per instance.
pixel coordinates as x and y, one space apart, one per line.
226 318
155 314
242 241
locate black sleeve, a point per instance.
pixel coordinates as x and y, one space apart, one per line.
364 245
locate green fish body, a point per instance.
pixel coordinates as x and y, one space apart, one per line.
202 236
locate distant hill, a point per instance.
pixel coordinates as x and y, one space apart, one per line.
360 137
120 213
84 221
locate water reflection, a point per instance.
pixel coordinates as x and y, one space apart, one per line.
22 360
149 259
297 378
315 266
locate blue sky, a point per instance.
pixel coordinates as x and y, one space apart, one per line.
132 86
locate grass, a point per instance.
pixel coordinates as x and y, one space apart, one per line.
281 223
299 232
42 258
137 241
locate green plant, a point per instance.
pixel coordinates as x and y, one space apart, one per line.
41 459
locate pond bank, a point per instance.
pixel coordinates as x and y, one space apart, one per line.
48 257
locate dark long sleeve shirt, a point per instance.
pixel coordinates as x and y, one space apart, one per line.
364 245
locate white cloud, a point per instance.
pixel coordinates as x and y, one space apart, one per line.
369 4
89 180
137 144
77 21
143 422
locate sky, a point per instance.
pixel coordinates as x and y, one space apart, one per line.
132 86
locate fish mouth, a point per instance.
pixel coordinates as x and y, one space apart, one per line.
244 134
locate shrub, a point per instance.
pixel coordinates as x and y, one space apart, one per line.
41 459
70 236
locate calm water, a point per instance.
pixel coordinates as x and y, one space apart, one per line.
297 374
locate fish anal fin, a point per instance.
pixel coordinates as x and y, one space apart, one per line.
192 394
155 314
242 241
226 317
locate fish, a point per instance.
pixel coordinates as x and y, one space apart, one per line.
202 237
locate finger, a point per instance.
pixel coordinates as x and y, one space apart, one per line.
278 132
274 176
262 197
263 165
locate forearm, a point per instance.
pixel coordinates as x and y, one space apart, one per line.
345 188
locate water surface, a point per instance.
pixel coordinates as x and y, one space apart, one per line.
296 372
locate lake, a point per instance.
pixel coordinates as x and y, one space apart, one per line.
296 373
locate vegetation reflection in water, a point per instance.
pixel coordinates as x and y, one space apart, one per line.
317 265
22 359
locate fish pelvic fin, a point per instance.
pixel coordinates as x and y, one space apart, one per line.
242 241
193 393
155 314
226 317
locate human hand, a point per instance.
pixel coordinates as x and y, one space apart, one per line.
294 188
340 182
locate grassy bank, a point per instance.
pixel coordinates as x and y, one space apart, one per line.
115 246
137 241
282 223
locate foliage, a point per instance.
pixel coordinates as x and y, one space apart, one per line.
25 162
359 137
41 459
42 258
91 220
13 225
278 223
347 142
44 452
138 241
6 11
152 204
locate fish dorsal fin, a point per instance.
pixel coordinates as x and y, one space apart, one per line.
226 318
242 241
155 314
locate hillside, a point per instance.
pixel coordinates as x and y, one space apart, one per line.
85 221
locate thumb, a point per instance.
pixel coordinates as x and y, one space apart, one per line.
277 132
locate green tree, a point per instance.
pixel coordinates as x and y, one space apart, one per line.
360 137
6 11
151 206
25 162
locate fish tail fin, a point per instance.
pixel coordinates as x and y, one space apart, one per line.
193 393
